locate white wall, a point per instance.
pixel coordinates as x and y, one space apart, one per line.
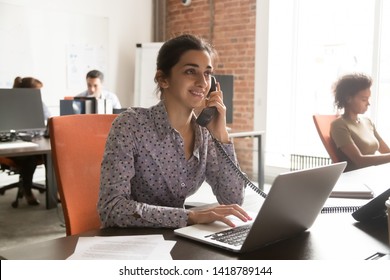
126 23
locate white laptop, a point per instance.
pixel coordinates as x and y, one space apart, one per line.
292 205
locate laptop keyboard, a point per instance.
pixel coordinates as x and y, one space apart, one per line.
234 236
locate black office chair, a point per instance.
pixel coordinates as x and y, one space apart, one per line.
10 167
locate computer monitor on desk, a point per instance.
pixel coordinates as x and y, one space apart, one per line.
21 110
227 86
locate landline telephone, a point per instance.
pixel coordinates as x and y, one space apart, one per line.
373 210
208 113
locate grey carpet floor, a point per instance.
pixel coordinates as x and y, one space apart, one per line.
27 224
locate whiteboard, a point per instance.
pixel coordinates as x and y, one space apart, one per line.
145 69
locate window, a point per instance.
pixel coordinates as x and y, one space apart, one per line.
310 44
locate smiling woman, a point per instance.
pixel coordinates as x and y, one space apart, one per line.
156 157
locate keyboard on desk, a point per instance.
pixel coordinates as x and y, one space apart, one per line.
17 144
234 236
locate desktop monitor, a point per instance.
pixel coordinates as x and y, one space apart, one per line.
227 86
21 110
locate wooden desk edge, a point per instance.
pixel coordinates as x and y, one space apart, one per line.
246 134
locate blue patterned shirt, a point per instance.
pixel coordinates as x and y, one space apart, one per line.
145 177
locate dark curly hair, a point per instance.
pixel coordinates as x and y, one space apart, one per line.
348 86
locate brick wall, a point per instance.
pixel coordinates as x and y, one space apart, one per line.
230 26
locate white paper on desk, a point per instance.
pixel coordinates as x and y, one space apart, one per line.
135 247
358 190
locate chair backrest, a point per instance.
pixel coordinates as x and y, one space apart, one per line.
7 163
77 143
322 123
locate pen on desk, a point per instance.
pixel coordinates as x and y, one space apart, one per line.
376 256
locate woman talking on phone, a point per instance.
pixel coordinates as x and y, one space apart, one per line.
156 157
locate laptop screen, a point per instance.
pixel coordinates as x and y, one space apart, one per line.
21 109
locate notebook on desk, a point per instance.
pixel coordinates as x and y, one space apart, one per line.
355 190
353 185
292 205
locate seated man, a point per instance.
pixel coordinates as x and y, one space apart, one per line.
95 89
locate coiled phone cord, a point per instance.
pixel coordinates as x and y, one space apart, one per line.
237 170
337 209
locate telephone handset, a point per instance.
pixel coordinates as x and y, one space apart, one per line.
208 113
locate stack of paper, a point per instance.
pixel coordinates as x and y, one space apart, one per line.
136 247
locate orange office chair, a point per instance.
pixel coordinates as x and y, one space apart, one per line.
322 123
9 166
77 143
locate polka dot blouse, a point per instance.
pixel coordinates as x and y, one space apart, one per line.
145 177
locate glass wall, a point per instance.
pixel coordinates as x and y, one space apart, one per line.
312 43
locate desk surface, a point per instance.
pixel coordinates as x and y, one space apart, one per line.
333 236
240 134
44 147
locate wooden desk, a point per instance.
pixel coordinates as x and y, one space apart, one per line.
260 153
45 149
333 236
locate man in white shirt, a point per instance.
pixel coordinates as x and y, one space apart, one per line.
95 89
